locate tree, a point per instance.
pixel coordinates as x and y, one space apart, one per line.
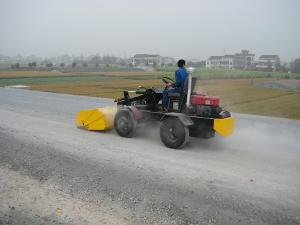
85 64
109 59
62 65
17 65
74 64
97 65
95 60
295 66
32 64
50 64
284 67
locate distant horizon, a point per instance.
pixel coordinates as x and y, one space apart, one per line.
129 56
256 56
124 56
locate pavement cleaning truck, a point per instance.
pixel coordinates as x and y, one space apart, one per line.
188 114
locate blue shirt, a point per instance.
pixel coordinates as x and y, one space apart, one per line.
180 75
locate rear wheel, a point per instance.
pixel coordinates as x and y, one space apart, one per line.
125 124
173 133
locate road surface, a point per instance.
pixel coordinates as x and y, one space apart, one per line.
53 173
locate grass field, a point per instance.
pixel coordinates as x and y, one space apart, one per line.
237 95
204 73
37 74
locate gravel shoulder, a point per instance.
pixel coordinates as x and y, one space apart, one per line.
24 200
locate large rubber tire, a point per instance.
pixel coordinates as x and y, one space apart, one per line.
125 124
173 133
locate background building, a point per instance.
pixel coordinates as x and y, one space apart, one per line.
268 63
243 60
225 62
151 60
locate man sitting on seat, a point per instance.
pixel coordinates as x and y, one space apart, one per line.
180 75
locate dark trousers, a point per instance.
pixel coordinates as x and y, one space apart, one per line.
165 99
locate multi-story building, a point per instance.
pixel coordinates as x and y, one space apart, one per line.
4 59
225 62
151 60
243 60
268 63
146 59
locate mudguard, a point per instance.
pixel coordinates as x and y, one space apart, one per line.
225 126
184 119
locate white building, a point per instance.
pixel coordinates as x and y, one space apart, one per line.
225 62
151 60
242 60
4 59
268 63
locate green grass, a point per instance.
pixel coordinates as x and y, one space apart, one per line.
46 78
37 80
204 73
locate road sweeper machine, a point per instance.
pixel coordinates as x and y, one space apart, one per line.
188 114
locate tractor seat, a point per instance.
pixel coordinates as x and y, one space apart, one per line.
174 94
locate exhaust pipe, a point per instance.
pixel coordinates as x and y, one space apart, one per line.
188 100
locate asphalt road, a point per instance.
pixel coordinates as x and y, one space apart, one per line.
53 173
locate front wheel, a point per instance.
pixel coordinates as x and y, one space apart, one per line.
124 123
173 133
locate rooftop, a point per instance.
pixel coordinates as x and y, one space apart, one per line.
215 57
144 55
269 57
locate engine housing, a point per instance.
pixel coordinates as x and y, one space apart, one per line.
205 100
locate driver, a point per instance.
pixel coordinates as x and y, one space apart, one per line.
180 75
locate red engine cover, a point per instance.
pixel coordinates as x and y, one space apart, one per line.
205 100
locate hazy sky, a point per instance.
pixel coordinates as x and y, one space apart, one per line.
192 29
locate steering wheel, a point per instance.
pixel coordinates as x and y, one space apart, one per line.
167 80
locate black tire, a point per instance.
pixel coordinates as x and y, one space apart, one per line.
173 133
124 123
